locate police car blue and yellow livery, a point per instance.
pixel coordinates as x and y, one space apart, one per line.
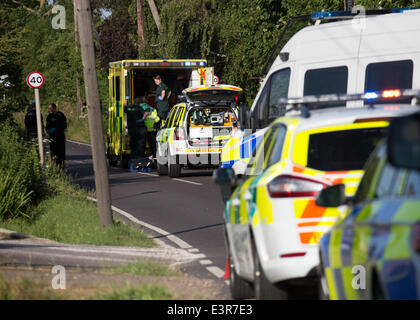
237 152
373 251
272 222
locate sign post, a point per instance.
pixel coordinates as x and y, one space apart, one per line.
35 80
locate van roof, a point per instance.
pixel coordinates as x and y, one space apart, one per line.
387 34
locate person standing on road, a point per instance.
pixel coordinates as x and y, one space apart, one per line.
55 126
161 99
31 123
151 122
136 130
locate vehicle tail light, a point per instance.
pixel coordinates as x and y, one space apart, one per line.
415 237
288 186
179 134
292 255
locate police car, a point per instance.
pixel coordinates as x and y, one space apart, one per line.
373 251
271 220
197 128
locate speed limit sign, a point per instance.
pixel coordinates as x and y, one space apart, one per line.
35 80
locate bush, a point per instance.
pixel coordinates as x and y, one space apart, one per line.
13 197
21 180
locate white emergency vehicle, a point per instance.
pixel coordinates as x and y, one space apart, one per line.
372 51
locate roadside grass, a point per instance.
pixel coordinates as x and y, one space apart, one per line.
145 268
27 289
146 292
67 219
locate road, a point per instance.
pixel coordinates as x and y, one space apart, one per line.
189 209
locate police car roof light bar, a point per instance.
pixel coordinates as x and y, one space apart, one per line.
371 97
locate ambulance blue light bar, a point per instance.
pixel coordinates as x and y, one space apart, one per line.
371 97
330 15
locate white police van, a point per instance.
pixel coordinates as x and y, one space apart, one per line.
373 51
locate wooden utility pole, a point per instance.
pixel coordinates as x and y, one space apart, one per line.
100 168
155 13
140 23
76 40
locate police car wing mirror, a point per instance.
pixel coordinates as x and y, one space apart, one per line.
333 196
403 142
226 179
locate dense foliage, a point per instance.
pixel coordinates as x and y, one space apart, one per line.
235 36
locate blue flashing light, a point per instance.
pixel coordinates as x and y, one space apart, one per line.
371 95
202 63
187 63
401 10
329 14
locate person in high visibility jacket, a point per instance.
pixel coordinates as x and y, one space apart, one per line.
152 124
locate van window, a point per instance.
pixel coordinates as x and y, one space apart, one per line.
372 167
342 150
326 81
389 75
261 107
412 187
386 182
279 88
274 155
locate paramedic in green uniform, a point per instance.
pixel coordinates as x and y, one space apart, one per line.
136 129
161 99
150 121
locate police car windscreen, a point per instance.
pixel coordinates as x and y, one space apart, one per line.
342 150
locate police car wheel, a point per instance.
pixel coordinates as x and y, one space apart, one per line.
264 289
239 288
174 169
162 170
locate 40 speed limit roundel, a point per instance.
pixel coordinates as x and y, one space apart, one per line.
35 80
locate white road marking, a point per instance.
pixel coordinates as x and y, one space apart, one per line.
193 250
216 271
181 243
227 282
77 142
149 174
206 262
186 181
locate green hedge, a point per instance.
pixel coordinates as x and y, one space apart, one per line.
20 176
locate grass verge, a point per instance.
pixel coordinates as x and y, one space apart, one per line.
145 268
28 289
70 219
146 292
